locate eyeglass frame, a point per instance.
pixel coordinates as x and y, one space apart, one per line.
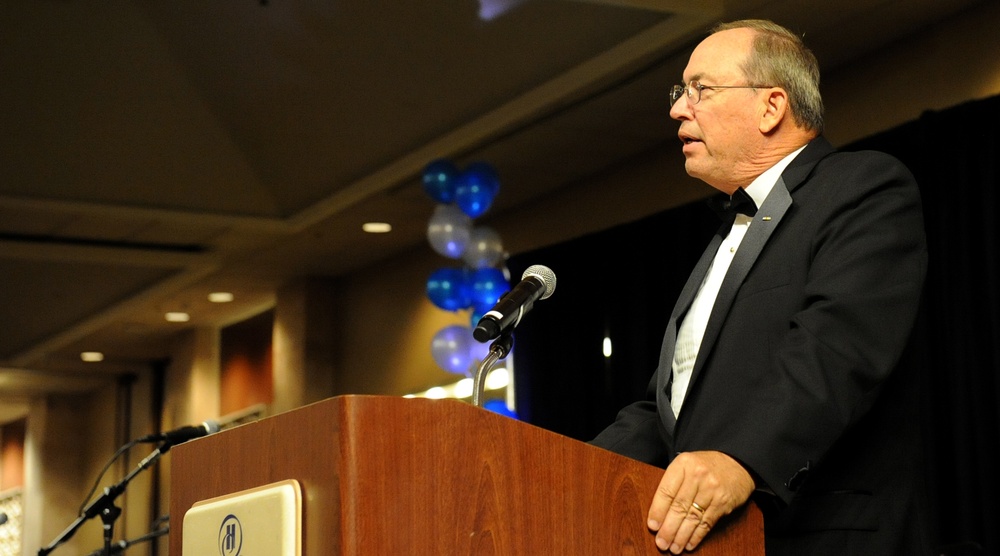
695 85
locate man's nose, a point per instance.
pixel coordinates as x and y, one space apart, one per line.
681 110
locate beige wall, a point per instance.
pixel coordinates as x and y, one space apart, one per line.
370 332
69 439
937 68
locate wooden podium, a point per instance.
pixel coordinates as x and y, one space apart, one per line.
387 475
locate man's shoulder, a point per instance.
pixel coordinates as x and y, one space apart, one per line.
862 166
860 157
845 178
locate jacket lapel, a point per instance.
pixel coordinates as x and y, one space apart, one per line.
684 300
768 218
770 214
764 223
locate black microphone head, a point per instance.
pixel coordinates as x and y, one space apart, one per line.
486 330
544 274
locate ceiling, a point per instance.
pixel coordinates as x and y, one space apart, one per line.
153 152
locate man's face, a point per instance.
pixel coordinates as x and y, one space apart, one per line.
720 133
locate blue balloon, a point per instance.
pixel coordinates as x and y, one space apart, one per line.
440 178
477 312
499 406
448 288
479 350
485 174
487 285
475 189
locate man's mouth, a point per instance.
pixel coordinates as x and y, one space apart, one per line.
687 139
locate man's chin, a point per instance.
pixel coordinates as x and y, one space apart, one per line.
694 169
699 173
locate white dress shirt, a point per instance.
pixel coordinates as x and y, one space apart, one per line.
692 328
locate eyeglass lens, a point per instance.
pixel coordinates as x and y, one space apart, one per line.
692 90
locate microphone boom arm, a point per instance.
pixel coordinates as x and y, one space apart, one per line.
498 350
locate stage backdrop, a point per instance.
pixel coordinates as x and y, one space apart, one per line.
622 283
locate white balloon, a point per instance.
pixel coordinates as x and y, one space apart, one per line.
449 230
484 248
451 349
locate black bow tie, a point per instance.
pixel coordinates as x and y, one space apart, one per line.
739 203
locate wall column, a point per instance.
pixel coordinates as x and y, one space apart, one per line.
305 343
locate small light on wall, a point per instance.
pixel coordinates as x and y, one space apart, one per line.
220 297
607 347
377 227
177 316
92 356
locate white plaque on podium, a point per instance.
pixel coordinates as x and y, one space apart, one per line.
262 520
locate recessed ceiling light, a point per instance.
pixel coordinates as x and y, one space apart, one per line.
92 356
376 227
177 316
220 297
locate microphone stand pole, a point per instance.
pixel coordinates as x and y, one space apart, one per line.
498 350
105 506
120 546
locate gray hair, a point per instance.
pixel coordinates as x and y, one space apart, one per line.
779 58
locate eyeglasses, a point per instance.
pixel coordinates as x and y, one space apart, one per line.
694 89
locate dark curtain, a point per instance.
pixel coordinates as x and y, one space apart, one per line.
622 283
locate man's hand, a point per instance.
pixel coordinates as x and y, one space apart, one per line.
696 490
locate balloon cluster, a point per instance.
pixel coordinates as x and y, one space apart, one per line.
477 285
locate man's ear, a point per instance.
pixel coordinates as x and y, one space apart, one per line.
775 109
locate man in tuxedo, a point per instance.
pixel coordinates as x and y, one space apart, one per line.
777 377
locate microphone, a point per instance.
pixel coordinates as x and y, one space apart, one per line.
183 434
538 282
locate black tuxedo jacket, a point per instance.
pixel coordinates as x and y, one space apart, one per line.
796 375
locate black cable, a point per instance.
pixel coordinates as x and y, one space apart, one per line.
107 466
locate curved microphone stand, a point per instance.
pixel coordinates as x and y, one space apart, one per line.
498 350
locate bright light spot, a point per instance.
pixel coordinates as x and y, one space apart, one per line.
376 227
92 356
607 347
220 297
436 393
177 316
498 378
464 387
